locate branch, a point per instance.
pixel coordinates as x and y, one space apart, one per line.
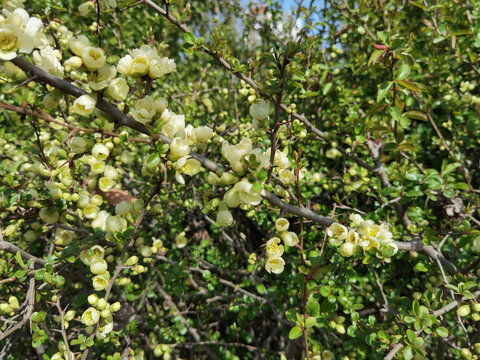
125 120
10 248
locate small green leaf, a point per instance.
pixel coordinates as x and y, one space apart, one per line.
294 333
441 331
416 115
376 55
20 262
383 90
189 38
153 160
313 307
310 322
403 72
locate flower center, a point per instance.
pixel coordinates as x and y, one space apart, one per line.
7 41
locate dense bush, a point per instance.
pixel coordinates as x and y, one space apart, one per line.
222 180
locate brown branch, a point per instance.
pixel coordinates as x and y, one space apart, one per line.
10 248
125 120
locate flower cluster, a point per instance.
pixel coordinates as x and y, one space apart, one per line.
143 61
19 33
274 251
363 234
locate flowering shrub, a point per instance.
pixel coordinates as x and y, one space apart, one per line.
175 185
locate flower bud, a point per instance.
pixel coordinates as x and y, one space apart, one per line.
132 260
92 299
69 315
203 133
98 266
115 307
115 223
101 304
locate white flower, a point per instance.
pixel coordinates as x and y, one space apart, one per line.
124 65
85 8
160 66
290 238
352 237
100 151
273 249
355 219
10 5
74 62
231 198
282 224
13 39
115 223
118 89
79 145
93 57
190 167
100 282
77 44
101 78
181 240
84 105
144 110
100 220
260 111
105 183
48 59
337 231
179 148
275 265
286 176
90 316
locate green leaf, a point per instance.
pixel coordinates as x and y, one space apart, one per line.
313 307
403 72
20 262
310 322
449 168
189 38
261 289
326 88
376 55
416 115
408 353
411 336
383 90
153 160
441 331
294 333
